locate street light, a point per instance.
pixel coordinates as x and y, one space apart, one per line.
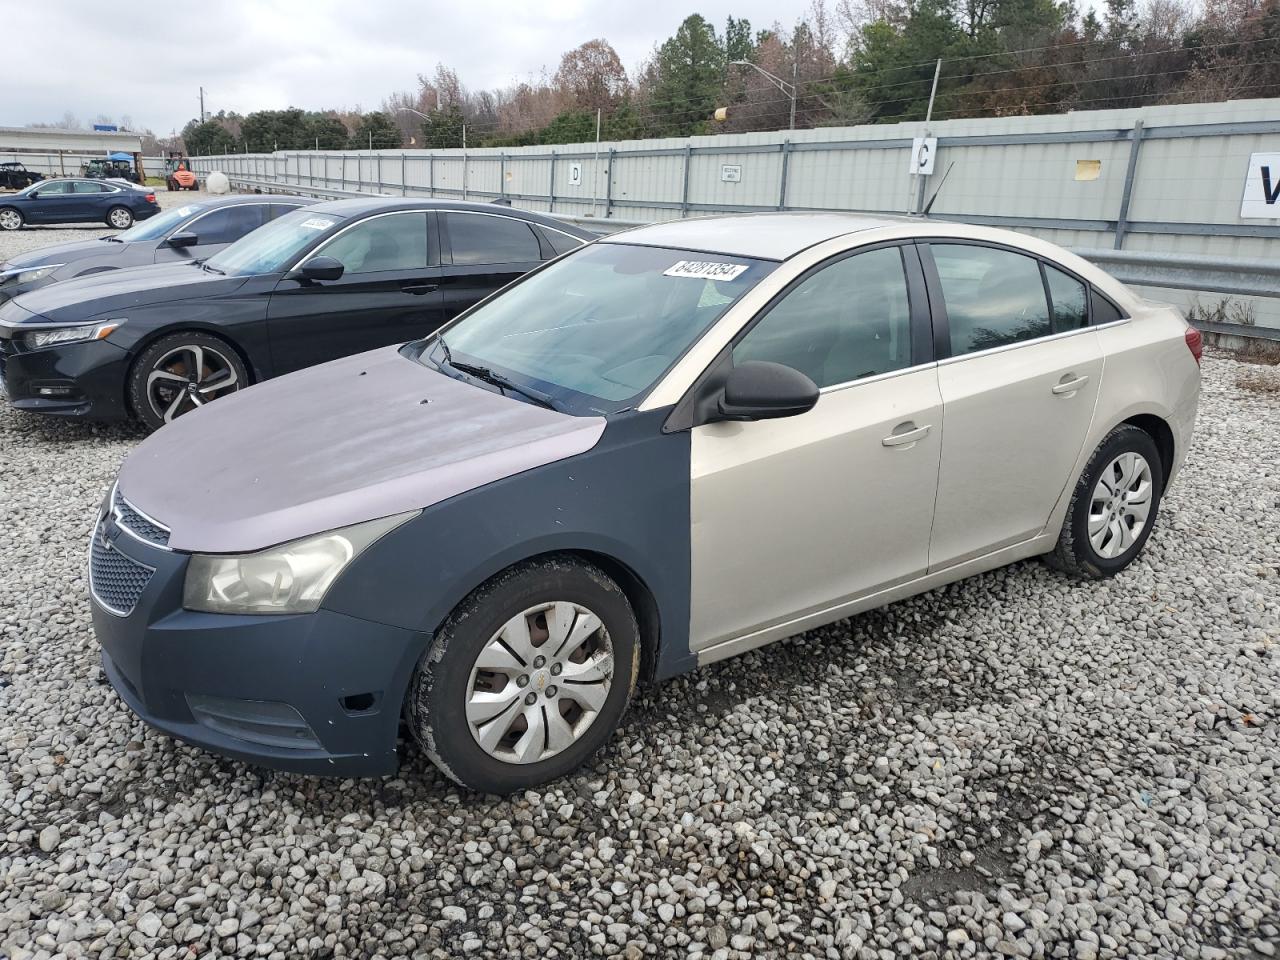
788 88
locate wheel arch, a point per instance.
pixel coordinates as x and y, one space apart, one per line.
1161 432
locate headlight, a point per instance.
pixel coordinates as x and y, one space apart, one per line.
49 336
26 276
290 578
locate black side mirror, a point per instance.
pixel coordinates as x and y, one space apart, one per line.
758 390
184 239
320 268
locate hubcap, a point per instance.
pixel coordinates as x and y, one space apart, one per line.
10 220
539 682
1120 505
188 377
119 218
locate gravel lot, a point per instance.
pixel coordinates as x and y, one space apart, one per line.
1013 766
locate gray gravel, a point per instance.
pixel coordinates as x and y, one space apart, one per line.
1013 766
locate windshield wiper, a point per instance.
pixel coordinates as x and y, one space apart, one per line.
204 265
497 379
111 239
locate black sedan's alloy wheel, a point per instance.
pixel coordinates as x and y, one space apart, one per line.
10 219
120 218
529 676
181 372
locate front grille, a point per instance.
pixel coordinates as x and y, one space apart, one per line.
139 524
115 580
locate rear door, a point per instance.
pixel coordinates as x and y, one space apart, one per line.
483 252
1018 394
92 199
389 292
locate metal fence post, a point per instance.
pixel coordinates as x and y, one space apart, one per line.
608 186
378 160
431 174
1122 221
502 175
404 177
782 178
551 185
684 193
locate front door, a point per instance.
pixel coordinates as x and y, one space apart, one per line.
483 253
55 202
388 293
1018 394
794 516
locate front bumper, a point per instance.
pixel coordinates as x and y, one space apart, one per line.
74 380
312 693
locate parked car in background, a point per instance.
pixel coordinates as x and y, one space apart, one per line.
117 203
669 447
15 176
333 279
194 231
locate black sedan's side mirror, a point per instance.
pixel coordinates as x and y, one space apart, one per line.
320 268
759 390
182 240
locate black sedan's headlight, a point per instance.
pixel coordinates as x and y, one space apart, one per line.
29 275
52 336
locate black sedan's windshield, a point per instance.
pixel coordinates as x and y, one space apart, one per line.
271 248
596 329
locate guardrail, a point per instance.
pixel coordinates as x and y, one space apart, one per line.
1240 277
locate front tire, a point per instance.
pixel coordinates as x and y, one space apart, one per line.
1113 508
10 219
528 677
181 372
120 217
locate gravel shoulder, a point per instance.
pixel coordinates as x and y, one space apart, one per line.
1016 765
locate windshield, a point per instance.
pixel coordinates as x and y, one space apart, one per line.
157 226
595 330
271 248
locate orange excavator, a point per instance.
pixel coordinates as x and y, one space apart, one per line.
177 174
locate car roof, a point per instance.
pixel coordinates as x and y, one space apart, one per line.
765 236
361 206
232 199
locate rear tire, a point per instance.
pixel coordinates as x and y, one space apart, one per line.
529 676
160 387
120 217
10 219
1113 508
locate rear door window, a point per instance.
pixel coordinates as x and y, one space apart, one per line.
483 239
993 297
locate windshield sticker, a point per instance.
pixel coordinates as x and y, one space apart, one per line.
317 223
183 211
705 270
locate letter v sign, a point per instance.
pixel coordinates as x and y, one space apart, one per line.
1261 200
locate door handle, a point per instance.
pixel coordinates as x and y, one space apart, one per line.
907 437
419 288
1068 387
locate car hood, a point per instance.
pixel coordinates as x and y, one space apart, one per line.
365 437
82 298
64 253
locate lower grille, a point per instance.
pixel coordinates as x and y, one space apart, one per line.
115 580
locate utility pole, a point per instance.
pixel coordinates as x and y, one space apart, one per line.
790 89
202 104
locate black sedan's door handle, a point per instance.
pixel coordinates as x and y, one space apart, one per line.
417 289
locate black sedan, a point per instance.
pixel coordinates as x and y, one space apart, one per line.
316 284
194 231
117 203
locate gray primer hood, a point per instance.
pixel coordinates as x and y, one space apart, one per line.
333 445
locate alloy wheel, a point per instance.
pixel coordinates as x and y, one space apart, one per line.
188 377
10 220
1121 505
120 218
539 682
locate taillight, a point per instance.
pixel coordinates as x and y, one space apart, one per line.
1195 343
151 198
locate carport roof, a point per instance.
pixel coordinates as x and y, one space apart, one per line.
767 236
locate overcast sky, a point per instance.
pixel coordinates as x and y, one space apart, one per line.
267 54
